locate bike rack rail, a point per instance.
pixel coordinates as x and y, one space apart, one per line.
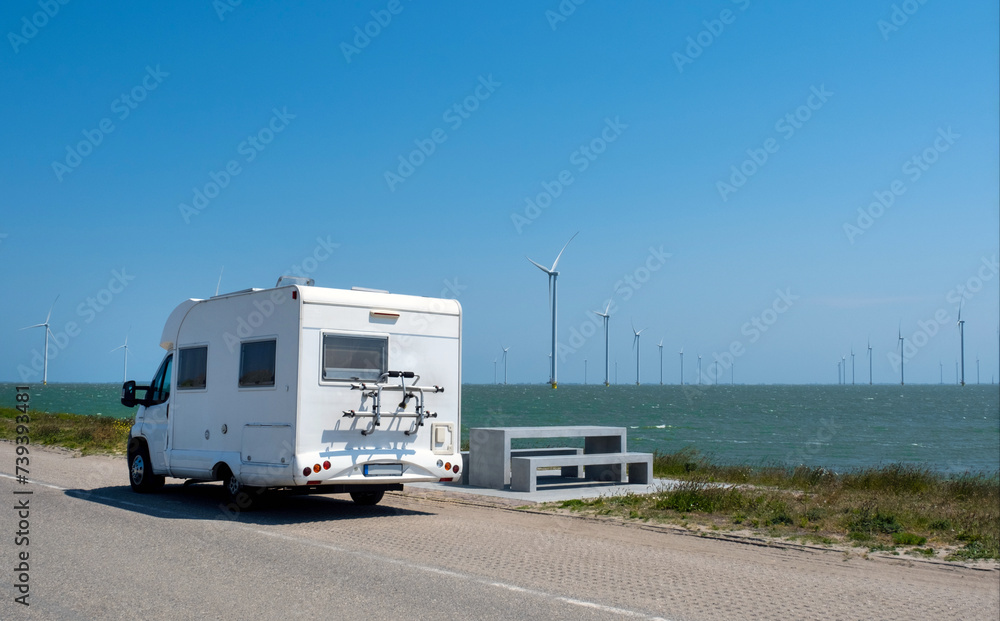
374 391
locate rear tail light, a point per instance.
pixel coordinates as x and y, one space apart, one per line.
447 465
306 471
316 468
326 465
455 469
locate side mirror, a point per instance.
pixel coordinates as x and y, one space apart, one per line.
128 394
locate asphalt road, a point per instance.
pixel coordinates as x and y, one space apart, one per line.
99 551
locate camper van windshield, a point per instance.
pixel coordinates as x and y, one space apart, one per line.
353 357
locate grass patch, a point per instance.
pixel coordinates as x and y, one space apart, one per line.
89 434
879 508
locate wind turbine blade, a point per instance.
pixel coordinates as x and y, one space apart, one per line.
116 349
37 325
219 284
609 306
57 299
541 267
558 256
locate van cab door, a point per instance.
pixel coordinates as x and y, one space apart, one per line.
156 417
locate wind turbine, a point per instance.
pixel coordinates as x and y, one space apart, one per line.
901 356
661 361
45 353
554 303
699 369
852 365
682 367
869 361
584 371
607 361
504 364
941 364
961 332
125 347
635 346
977 369
494 371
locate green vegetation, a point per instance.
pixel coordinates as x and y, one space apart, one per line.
89 434
879 508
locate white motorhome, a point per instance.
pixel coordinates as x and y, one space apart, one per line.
297 386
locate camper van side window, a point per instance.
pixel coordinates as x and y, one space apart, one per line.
353 357
257 363
192 368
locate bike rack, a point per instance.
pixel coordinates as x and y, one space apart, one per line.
374 391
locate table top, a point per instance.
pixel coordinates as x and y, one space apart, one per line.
556 431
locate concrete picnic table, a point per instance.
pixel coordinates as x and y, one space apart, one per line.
489 448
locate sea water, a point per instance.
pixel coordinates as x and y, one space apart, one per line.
946 428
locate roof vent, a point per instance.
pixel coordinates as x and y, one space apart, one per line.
302 281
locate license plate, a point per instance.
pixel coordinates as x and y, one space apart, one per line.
383 470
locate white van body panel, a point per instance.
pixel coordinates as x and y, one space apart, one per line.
267 435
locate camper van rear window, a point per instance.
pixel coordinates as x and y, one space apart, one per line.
192 368
353 357
257 363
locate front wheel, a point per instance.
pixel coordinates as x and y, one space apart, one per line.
367 499
140 472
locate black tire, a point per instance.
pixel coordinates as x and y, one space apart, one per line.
140 471
243 497
367 499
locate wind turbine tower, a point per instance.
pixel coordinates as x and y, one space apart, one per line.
607 361
699 369
852 365
661 361
961 333
635 346
682 367
125 347
901 355
504 364
45 352
869 362
554 303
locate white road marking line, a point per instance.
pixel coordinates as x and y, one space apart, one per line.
33 482
393 561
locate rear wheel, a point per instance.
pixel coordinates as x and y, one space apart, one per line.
243 496
140 471
367 499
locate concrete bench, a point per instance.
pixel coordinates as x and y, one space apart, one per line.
567 471
617 467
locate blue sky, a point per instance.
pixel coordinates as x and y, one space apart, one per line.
827 171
